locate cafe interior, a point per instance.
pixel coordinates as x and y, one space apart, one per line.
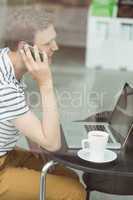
91 69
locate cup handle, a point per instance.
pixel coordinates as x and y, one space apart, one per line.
84 142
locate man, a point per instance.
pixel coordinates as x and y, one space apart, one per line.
20 170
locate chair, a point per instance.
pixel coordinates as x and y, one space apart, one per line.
49 164
44 171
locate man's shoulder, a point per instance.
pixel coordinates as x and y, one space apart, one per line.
4 50
1 50
6 70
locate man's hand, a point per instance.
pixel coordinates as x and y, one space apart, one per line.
39 70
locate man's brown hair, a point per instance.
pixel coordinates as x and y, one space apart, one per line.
22 22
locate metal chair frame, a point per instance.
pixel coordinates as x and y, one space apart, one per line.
44 171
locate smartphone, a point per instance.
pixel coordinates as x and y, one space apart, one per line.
33 54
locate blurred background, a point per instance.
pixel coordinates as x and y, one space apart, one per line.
94 59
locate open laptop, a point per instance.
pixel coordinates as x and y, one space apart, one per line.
118 126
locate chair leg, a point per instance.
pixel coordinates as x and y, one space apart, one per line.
88 194
44 171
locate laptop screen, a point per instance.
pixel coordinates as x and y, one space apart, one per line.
122 116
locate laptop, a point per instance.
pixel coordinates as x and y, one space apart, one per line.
118 126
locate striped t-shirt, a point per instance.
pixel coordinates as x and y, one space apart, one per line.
12 103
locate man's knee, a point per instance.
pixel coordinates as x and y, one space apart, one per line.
61 187
77 191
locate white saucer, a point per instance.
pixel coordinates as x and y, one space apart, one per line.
109 156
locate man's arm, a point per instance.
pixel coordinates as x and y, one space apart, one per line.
30 126
45 133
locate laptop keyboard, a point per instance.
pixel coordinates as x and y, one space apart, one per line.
95 127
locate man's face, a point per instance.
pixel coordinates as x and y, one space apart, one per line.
45 41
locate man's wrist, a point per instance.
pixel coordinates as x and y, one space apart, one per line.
46 86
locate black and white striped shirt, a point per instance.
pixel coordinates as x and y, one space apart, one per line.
12 103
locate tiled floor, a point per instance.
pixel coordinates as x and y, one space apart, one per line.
81 91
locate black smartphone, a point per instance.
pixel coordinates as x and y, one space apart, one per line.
33 54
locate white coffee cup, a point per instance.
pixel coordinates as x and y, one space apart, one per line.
96 142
